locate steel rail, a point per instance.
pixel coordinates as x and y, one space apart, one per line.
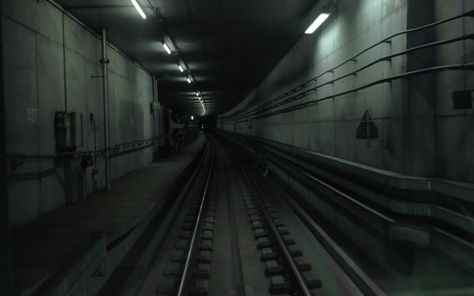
152 240
362 280
392 203
294 272
375 219
464 221
189 256
359 277
352 59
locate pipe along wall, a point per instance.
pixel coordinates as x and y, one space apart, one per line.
53 64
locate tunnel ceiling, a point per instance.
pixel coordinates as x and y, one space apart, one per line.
229 46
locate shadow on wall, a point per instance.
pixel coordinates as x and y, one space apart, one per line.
130 127
130 122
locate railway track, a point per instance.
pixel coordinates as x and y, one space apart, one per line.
234 230
381 250
228 239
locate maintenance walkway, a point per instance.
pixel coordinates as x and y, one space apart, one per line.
92 237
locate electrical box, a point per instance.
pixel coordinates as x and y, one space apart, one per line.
65 131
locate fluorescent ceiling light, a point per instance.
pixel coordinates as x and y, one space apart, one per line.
139 9
180 68
317 22
188 80
168 50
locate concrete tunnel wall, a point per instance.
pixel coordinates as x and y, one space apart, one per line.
40 79
420 133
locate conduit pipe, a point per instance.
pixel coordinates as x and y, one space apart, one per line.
105 84
155 111
156 119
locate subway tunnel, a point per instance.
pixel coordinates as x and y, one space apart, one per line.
250 147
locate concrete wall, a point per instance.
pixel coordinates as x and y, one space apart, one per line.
48 62
413 138
454 128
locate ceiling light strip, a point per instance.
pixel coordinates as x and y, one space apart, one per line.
139 9
165 46
317 23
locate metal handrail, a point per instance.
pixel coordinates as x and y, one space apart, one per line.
352 59
141 143
186 270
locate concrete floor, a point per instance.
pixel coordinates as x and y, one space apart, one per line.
46 245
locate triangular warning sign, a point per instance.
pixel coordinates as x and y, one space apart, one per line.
367 128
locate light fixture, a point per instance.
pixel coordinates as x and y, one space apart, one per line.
317 22
168 50
180 68
139 9
188 80
192 117
197 94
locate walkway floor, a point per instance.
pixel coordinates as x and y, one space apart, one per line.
41 247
